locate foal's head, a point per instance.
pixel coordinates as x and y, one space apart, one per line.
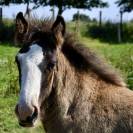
36 61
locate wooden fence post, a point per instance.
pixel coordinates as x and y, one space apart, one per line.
120 28
121 24
77 24
100 18
119 33
0 14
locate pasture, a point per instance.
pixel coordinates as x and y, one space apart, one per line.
120 56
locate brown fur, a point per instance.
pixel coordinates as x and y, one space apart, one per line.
81 102
83 95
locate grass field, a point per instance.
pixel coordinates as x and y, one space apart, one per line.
120 56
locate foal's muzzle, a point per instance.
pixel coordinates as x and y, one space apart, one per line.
30 120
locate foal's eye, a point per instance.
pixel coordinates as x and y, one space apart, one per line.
51 65
34 35
44 53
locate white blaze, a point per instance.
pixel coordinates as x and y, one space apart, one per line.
30 75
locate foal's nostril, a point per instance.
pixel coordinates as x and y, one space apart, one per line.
25 115
33 117
30 120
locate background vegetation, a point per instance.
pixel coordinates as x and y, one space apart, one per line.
7 29
108 32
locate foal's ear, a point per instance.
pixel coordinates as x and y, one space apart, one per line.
59 28
21 24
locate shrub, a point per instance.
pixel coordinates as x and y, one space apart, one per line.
6 31
81 17
108 32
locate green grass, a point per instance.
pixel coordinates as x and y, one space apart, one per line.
7 67
8 121
120 56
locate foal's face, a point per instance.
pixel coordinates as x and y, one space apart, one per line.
30 84
33 61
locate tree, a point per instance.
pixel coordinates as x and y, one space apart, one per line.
7 2
125 5
101 5
62 5
82 17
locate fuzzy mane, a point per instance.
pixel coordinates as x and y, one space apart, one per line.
81 57
84 59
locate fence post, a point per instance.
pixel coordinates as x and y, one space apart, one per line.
100 18
119 33
77 24
0 14
120 28
121 24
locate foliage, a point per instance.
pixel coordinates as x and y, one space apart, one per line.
64 4
61 4
7 2
7 29
108 32
81 17
125 5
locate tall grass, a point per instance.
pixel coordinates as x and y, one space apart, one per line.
8 71
12 87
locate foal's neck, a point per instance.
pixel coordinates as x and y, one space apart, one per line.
65 74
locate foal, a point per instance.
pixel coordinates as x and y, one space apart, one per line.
67 86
